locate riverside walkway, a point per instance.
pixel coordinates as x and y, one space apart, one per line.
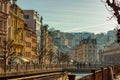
23 72
98 72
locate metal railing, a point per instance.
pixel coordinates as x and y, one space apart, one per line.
16 68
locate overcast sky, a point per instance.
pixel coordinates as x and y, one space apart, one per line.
72 15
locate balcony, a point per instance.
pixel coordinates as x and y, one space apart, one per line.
19 43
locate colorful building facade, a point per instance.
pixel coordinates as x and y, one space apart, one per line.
4 17
17 30
32 19
31 44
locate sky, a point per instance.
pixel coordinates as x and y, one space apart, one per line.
72 15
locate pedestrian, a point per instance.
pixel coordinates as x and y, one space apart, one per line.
89 64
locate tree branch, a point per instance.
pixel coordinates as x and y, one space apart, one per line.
115 9
10 55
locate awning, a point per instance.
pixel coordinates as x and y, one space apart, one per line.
20 60
24 59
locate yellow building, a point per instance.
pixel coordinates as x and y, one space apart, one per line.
16 30
31 44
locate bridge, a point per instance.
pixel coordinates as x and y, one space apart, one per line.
65 71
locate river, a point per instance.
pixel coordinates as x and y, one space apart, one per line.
79 75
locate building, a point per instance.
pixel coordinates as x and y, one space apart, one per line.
32 19
28 40
4 17
31 44
111 36
34 56
16 34
86 51
111 54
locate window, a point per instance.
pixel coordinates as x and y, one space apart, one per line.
34 40
28 34
34 49
1 25
93 51
28 44
90 46
26 16
28 54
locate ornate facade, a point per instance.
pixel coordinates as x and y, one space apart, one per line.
86 51
4 18
17 30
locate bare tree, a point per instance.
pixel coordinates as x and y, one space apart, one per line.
7 53
114 8
51 55
62 57
40 54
